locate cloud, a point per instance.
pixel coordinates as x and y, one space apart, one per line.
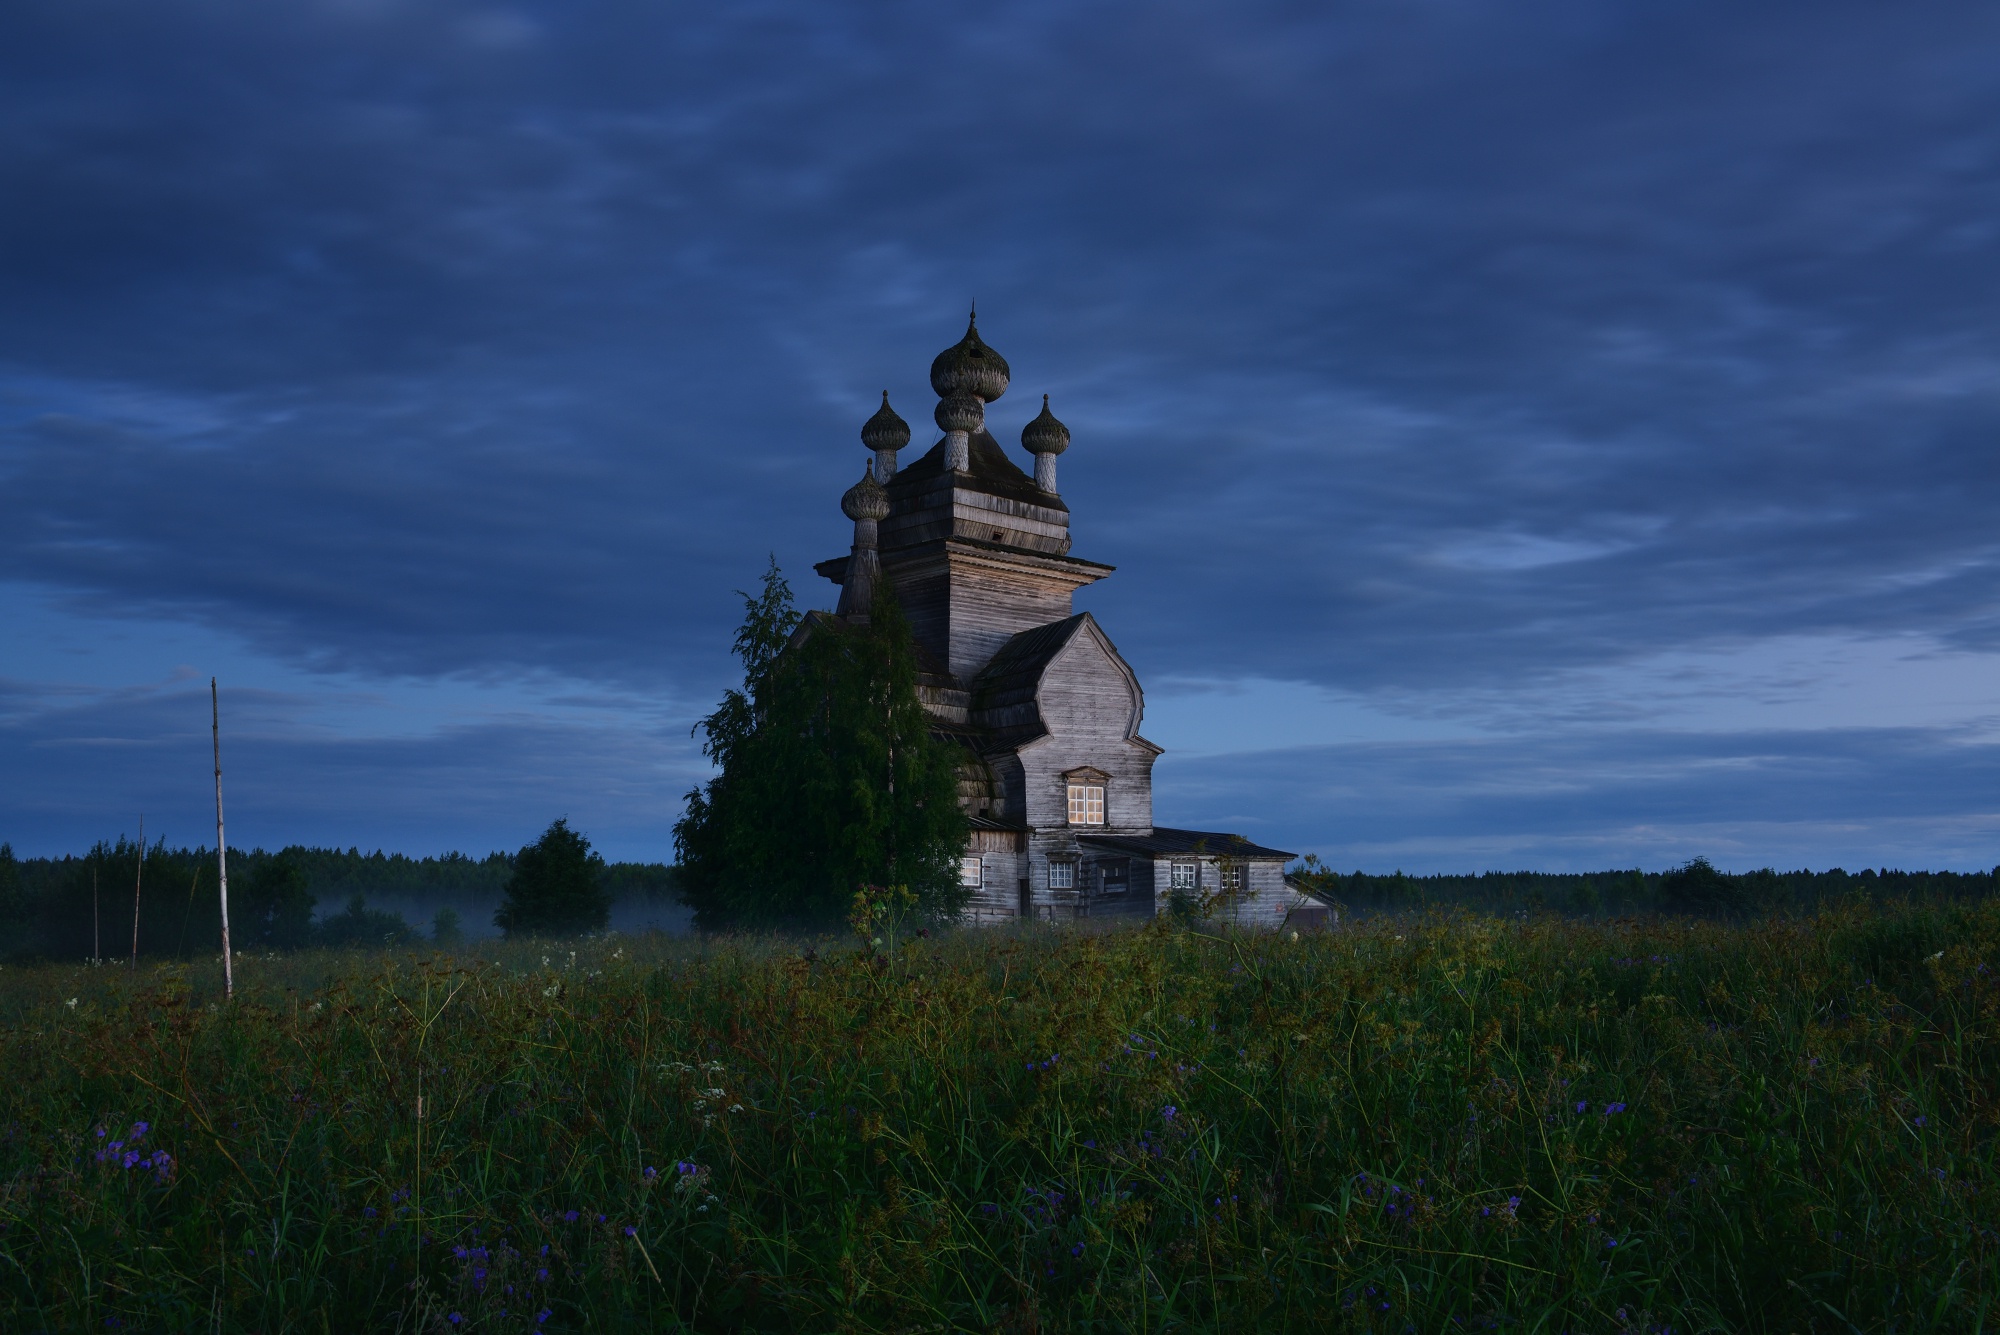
1410 350
1920 798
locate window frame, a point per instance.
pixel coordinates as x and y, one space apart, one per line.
1089 799
1184 876
972 862
1067 870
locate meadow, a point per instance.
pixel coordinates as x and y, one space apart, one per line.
1437 1122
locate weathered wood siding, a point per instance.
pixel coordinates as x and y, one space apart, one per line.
1091 707
1003 862
1264 905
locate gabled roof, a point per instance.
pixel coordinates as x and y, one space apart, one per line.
1166 842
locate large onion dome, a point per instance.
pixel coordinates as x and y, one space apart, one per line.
1045 435
960 412
866 499
885 430
970 367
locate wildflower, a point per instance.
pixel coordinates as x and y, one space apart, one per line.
1921 1120
543 1315
140 1128
1169 1112
569 1216
1614 1108
455 1318
1581 1104
631 1232
71 1003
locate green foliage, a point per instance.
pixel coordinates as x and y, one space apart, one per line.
1697 887
830 778
1436 1124
180 917
555 889
12 897
359 925
446 933
274 910
1720 894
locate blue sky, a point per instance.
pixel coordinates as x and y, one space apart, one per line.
1542 435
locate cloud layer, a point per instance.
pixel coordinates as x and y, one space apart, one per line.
1430 353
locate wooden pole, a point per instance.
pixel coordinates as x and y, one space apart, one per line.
96 946
221 848
138 881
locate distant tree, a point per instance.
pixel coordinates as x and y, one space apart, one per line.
1697 887
13 904
556 889
830 777
359 925
445 931
274 909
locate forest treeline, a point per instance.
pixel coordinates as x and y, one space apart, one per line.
81 906
1694 888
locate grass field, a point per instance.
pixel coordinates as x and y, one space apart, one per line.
1437 1124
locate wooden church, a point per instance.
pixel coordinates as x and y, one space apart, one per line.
1057 780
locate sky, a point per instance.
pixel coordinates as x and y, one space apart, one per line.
1530 435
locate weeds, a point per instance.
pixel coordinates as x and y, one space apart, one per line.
1453 1124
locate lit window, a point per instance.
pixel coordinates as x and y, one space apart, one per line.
1062 875
1086 804
1182 877
971 871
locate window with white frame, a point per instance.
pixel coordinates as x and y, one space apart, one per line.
1233 879
972 870
1181 877
1062 875
1086 804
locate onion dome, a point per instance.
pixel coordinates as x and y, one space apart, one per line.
970 367
960 412
885 430
866 499
1045 435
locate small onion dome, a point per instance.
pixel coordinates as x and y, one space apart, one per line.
866 499
1045 435
960 412
885 430
970 367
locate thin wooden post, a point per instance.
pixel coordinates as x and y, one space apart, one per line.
138 881
96 941
221 848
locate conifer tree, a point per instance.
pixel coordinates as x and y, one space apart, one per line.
556 889
830 779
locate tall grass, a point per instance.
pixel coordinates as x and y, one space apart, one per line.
1434 1125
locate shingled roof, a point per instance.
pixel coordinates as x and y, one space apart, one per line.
1011 676
1166 842
990 471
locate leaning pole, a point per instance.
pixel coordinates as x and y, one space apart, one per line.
221 848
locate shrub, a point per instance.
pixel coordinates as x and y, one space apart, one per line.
359 925
445 930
